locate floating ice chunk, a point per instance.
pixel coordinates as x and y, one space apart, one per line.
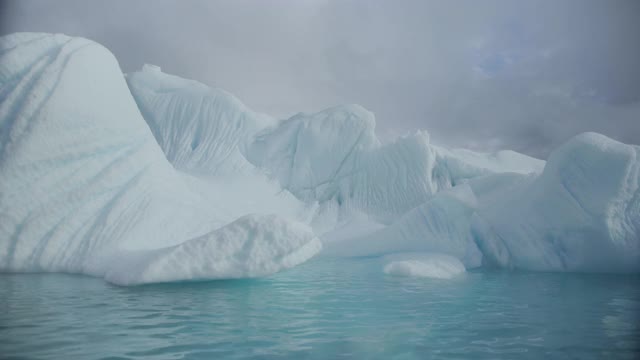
429 265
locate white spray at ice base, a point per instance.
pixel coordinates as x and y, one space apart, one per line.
153 178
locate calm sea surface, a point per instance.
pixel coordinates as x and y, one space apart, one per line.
325 309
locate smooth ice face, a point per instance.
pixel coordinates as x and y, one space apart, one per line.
428 265
82 177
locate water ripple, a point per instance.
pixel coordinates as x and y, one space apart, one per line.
326 309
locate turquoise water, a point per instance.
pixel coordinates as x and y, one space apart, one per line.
325 309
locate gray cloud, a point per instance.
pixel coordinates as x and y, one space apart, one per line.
486 75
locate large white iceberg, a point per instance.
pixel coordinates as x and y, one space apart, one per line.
149 177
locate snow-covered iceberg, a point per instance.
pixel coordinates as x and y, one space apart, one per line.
82 177
149 177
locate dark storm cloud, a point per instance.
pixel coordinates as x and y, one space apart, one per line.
480 74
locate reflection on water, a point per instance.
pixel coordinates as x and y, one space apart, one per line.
325 309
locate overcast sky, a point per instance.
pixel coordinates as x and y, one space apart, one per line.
479 74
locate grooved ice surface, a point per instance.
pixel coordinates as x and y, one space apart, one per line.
201 129
83 182
581 214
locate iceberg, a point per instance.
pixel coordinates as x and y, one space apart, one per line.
148 177
82 177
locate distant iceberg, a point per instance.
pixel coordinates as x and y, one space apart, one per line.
148 177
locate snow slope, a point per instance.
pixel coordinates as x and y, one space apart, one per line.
82 177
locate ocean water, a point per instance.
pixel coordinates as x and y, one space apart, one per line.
325 309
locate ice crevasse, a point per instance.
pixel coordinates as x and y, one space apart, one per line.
149 177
